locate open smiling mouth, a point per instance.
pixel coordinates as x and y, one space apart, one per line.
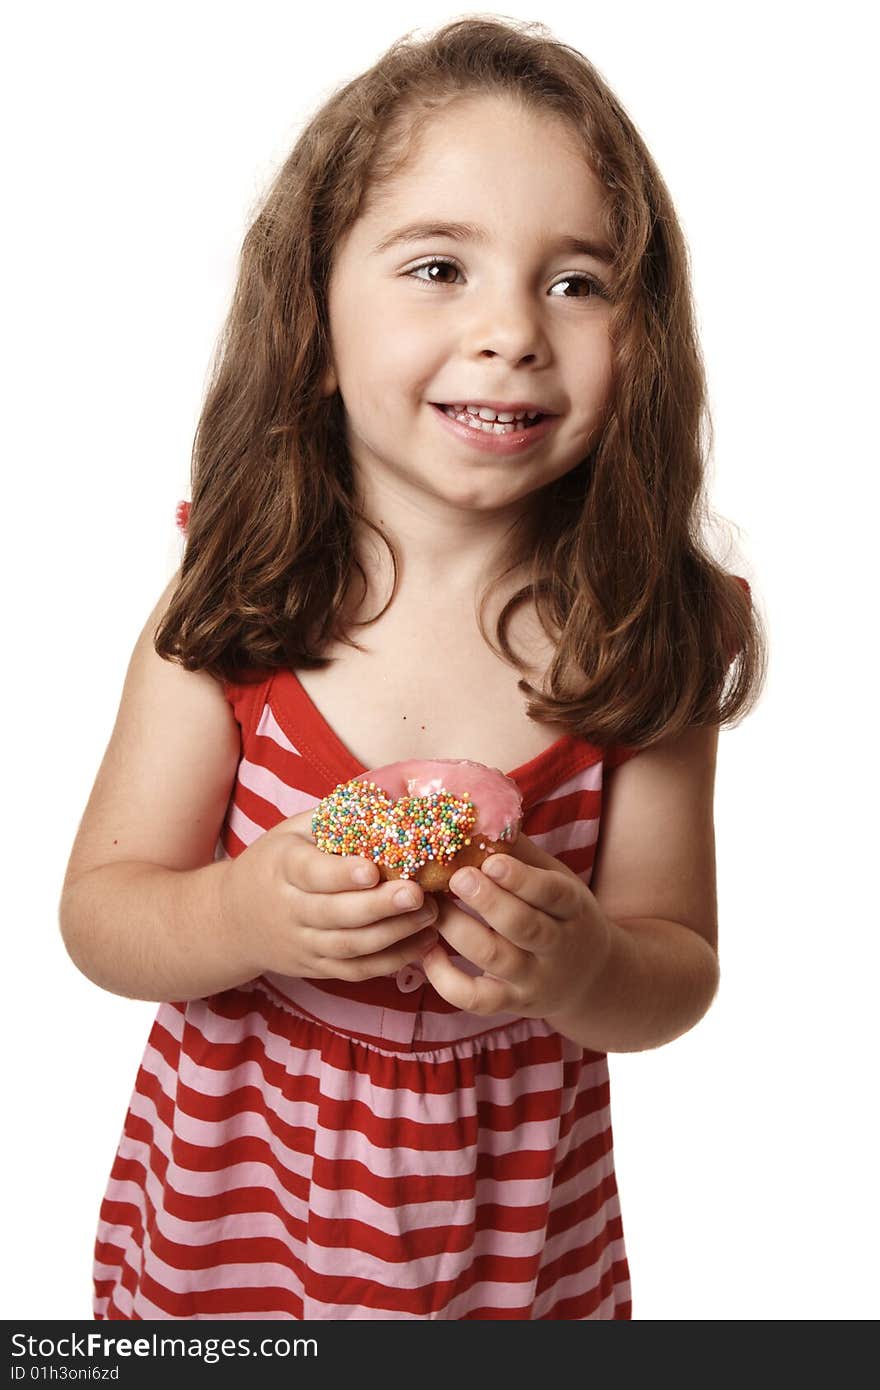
489 421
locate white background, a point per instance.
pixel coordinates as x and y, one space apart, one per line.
139 138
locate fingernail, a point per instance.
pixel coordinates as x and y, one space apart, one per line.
363 874
426 914
405 897
494 867
464 882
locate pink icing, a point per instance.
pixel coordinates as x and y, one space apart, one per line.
496 798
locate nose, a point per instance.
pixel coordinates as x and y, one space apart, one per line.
507 323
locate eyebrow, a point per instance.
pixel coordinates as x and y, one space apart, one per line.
467 231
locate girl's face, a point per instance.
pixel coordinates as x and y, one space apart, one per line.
506 310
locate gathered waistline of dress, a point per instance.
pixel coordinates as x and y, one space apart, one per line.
383 1030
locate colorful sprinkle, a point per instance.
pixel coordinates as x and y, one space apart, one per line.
360 818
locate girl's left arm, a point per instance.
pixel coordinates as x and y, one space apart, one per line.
626 964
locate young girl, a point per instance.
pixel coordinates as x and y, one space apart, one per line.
359 1101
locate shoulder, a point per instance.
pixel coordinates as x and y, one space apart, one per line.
192 708
164 783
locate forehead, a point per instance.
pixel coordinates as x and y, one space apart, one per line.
491 154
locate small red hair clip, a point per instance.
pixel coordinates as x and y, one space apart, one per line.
182 516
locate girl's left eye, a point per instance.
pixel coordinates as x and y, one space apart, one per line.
426 265
580 278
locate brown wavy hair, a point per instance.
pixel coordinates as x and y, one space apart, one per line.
652 634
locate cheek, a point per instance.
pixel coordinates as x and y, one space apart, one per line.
597 360
399 375
595 394
604 365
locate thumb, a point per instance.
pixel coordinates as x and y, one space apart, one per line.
528 852
301 823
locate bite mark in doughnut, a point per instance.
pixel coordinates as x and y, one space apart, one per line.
421 819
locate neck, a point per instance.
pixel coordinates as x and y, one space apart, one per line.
443 552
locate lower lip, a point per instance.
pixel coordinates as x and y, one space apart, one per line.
512 442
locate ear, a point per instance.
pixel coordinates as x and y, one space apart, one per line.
329 383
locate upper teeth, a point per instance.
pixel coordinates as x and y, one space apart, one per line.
503 416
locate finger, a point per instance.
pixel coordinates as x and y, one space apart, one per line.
358 907
553 890
318 871
528 852
301 824
481 995
531 925
350 943
313 871
486 948
386 962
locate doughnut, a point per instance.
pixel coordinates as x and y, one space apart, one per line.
421 819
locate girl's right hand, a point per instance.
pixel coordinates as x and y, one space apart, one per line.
294 910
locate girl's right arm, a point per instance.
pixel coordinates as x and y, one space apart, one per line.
145 910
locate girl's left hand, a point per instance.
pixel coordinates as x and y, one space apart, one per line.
544 940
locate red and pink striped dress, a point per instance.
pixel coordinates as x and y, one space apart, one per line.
315 1149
